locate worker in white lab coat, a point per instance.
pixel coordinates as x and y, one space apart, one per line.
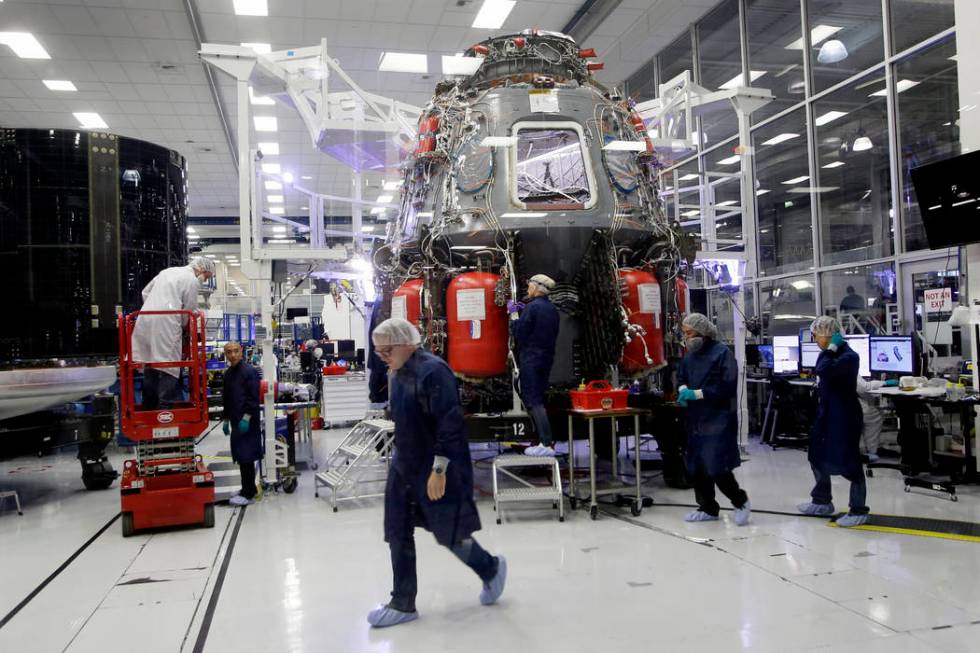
159 338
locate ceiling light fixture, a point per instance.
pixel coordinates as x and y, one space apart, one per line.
460 65
277 210
59 85
89 120
259 100
781 138
391 185
830 116
271 168
727 203
275 199
689 177
901 86
493 13
251 7
795 180
817 34
862 143
265 123
273 185
732 160
24 45
384 199
306 177
403 62
378 210
835 164
762 191
736 81
269 149
288 177
833 51
279 228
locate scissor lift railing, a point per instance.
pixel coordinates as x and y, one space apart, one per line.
167 484
362 457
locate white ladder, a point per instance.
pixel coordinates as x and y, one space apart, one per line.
362 457
527 491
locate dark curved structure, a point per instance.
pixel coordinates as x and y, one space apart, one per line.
86 220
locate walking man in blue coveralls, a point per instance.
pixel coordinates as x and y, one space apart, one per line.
431 479
536 331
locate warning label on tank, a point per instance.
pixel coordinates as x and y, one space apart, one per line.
471 304
649 297
398 307
543 100
475 329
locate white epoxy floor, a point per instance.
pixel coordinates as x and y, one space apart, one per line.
301 578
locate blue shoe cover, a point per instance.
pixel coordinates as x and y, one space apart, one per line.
493 589
816 509
383 616
742 514
850 521
699 515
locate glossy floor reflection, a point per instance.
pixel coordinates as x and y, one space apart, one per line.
301 578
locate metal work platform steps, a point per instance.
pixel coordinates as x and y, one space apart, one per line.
362 457
526 491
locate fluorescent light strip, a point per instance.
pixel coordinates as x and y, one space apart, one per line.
271 168
688 177
259 100
384 199
761 192
378 210
265 123
781 138
24 45
90 120
900 86
273 185
835 164
276 210
388 185
817 34
460 65
269 148
251 7
59 85
275 199
403 62
736 81
732 160
830 116
728 203
493 13
795 180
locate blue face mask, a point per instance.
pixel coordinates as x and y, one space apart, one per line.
694 344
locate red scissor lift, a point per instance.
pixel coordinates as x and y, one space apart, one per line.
167 484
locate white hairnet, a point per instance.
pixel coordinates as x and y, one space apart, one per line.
397 331
825 326
203 264
544 282
700 323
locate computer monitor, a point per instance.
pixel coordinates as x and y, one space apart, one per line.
752 355
786 354
892 354
765 356
809 353
861 345
806 335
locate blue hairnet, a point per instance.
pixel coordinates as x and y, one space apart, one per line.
396 331
825 326
700 323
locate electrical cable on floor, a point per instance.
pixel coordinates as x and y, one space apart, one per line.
201 439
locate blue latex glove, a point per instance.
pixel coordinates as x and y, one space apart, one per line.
243 426
513 307
685 396
891 383
838 339
226 427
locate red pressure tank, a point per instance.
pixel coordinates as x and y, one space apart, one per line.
406 301
683 297
476 327
644 306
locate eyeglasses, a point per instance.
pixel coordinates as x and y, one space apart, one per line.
384 351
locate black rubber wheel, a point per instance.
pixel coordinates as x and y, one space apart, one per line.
871 473
209 516
498 520
594 512
289 484
335 510
573 502
96 483
127 524
561 518
554 505
953 497
636 508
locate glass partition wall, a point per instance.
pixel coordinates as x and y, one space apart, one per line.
864 92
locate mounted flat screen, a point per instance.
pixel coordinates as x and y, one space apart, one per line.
948 193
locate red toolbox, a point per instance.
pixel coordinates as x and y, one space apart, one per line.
599 395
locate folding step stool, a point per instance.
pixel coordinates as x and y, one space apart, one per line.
527 491
362 457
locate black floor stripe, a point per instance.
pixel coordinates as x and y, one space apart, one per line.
202 636
64 565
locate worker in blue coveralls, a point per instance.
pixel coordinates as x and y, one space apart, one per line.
708 384
835 439
241 418
431 479
536 331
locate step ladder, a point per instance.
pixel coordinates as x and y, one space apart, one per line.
527 492
362 457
